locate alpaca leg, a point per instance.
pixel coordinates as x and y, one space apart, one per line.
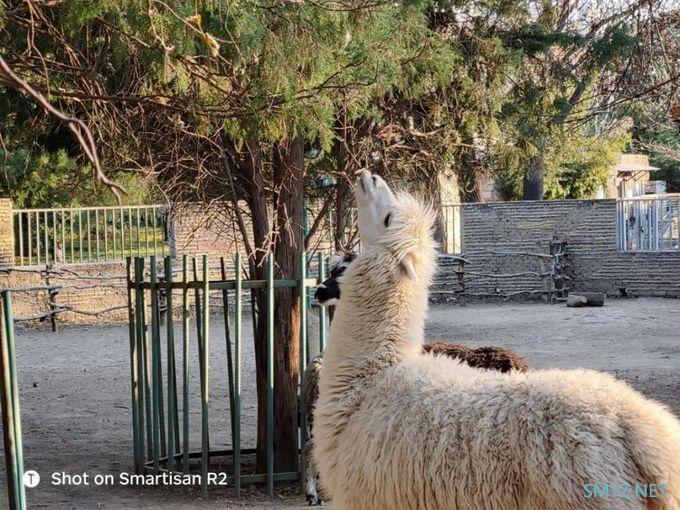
310 475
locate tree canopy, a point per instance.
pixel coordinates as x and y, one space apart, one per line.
484 88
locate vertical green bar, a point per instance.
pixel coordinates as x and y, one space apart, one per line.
11 411
155 364
172 385
146 358
322 309
18 435
199 328
205 447
303 342
185 365
270 374
140 346
237 376
134 376
7 413
230 359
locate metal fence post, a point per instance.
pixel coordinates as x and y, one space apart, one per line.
238 304
303 342
270 374
134 374
11 416
205 446
172 384
230 359
155 370
185 365
322 309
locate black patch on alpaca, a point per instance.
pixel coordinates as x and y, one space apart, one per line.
328 290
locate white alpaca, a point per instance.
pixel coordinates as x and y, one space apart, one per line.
397 429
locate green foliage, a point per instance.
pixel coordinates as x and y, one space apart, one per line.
270 70
54 179
576 162
578 165
663 145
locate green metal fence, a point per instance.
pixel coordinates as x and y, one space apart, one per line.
11 417
89 234
162 442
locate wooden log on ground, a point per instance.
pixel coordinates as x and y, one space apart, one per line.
576 299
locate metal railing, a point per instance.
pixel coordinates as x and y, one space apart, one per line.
89 234
160 383
649 223
11 418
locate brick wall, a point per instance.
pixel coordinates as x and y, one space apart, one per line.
590 229
200 229
6 233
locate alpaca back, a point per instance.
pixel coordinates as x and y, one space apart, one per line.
435 434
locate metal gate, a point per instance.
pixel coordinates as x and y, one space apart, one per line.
161 440
11 417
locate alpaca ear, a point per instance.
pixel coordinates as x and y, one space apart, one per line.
407 265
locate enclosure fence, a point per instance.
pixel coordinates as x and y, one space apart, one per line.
89 234
161 421
470 275
11 417
649 223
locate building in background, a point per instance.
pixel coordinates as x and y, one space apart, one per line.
631 177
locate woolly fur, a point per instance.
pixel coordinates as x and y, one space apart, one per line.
399 429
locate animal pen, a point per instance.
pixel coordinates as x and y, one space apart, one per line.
160 411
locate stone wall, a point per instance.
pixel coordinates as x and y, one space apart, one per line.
89 288
590 229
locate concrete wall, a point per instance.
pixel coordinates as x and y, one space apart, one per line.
590 229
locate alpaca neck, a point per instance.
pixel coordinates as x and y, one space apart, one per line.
379 320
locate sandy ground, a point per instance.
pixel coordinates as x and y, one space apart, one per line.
75 389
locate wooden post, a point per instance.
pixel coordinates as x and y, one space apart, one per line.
52 297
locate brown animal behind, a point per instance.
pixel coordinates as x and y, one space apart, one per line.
493 358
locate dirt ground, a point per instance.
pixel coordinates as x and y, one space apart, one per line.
75 389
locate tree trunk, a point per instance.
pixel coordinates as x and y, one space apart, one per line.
342 193
341 146
533 180
469 176
289 176
253 184
435 196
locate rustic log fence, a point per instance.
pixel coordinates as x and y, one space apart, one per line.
459 278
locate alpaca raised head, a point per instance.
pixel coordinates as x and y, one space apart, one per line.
398 223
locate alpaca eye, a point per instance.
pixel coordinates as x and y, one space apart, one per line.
387 219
